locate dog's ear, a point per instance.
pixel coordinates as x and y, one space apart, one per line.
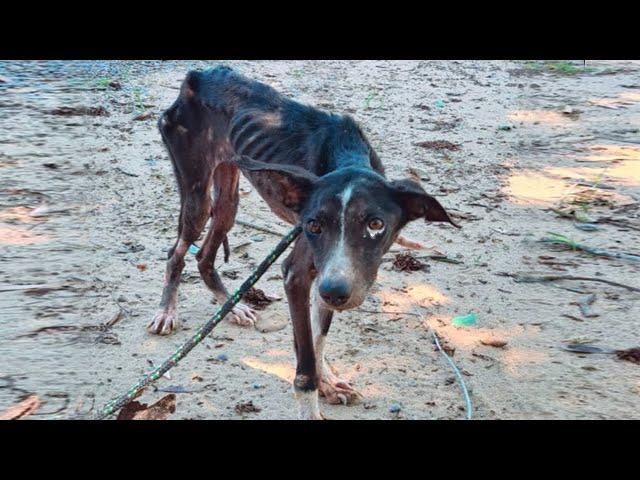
287 185
416 203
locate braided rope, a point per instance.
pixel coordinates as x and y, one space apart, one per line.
455 369
116 404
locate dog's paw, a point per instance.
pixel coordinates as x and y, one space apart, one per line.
308 405
243 315
164 322
337 391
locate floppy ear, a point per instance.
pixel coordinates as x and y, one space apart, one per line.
417 203
284 185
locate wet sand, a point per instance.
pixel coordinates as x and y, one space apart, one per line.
88 209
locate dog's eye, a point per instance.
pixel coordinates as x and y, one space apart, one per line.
376 224
314 226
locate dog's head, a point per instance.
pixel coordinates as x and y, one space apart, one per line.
350 217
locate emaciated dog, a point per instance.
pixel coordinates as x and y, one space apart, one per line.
311 167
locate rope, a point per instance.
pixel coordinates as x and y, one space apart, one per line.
465 392
119 402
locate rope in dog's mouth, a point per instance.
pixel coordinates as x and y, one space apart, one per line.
119 402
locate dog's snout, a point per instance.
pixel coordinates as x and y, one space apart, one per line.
335 292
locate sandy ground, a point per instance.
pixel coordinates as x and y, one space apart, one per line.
88 208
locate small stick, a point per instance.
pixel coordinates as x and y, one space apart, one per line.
260 228
127 173
519 278
387 313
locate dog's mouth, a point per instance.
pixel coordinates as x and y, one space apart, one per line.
353 302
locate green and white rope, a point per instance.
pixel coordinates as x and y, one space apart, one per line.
116 404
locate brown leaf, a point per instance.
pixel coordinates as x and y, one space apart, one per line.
144 116
246 407
493 342
438 145
140 411
257 298
405 262
24 408
630 355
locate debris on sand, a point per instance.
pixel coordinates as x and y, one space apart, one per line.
143 116
493 342
571 112
22 409
438 145
561 240
257 298
140 411
82 110
247 407
405 262
585 306
532 278
464 320
630 355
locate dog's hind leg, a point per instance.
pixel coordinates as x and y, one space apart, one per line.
225 206
195 211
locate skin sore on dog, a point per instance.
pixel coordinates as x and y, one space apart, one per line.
271 120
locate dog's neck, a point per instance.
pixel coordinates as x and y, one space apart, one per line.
351 159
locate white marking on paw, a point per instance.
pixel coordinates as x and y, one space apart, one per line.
308 405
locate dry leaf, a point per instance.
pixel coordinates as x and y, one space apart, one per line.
24 408
140 411
493 342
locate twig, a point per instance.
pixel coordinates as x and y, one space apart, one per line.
556 239
260 228
387 313
13 288
522 278
127 173
437 258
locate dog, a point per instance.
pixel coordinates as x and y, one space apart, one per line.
312 168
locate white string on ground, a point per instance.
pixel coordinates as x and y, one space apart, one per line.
465 392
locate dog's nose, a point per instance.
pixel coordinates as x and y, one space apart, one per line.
335 292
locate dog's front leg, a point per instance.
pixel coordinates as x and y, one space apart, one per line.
298 276
333 388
